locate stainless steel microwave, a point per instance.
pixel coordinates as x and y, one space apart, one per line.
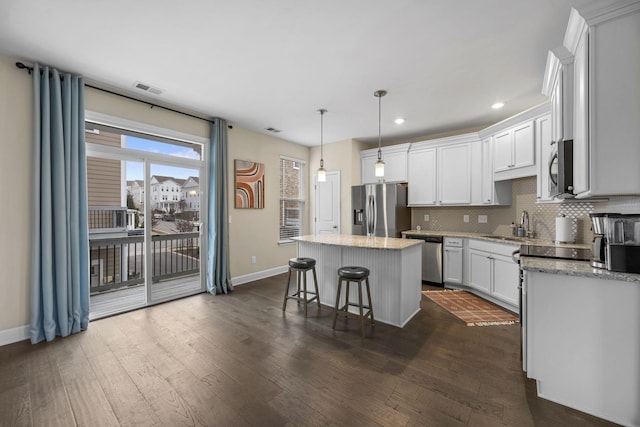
561 169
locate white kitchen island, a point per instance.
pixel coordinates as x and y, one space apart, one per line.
395 266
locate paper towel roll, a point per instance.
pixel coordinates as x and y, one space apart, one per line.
563 229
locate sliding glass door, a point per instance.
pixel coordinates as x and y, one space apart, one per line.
145 198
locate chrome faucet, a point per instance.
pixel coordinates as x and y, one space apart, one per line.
524 223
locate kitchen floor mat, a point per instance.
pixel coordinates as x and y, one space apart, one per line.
473 310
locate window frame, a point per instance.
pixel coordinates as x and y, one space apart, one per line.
149 157
299 166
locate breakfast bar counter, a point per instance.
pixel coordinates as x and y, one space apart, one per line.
395 266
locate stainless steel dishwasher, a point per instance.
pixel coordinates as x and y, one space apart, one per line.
431 258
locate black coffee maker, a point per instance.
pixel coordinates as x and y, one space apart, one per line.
599 250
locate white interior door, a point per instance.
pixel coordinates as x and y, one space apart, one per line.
327 204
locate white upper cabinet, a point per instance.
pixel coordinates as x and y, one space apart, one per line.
544 130
454 171
423 179
440 171
514 148
395 164
606 101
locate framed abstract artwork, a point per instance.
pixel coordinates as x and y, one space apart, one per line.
249 184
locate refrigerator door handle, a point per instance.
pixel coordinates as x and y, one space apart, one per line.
371 212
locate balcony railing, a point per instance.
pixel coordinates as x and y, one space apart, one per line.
107 218
119 262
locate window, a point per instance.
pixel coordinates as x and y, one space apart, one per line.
291 199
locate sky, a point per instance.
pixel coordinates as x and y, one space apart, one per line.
135 170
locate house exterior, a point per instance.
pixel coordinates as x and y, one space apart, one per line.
166 193
191 194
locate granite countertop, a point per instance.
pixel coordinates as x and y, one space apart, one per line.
574 268
496 238
359 241
543 265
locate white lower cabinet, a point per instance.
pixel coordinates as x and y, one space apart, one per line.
505 279
493 273
480 270
453 256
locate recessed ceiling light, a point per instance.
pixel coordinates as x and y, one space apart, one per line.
497 105
399 121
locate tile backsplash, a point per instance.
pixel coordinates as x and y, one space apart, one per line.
541 215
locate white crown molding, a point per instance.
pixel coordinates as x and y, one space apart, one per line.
399 148
530 114
456 139
581 20
557 58
597 13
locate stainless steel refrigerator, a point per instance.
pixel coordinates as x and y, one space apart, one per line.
380 210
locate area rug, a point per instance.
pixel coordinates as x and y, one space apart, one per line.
474 311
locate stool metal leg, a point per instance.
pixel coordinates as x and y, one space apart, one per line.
286 292
304 282
335 309
370 303
360 308
315 282
346 299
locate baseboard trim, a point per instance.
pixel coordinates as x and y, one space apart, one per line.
9 336
247 278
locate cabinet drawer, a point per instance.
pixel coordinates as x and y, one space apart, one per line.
494 248
453 242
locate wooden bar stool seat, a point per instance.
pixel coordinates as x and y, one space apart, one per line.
301 266
356 275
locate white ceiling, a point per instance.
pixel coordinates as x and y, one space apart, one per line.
273 63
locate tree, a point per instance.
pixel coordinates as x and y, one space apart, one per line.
184 226
130 203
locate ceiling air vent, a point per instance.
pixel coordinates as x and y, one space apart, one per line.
147 88
274 130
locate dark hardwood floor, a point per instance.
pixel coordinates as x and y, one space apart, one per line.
237 360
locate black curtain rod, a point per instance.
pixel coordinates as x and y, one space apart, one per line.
22 66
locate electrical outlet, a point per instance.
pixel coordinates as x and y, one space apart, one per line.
253 259
426 217
465 218
482 219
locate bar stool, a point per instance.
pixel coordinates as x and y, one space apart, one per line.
301 266
359 275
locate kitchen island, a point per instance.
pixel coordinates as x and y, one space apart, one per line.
395 266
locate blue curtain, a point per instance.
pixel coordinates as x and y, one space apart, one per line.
218 272
60 242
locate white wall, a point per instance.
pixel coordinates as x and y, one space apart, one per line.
343 156
15 171
255 232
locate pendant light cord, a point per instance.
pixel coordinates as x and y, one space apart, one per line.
322 111
379 126
322 137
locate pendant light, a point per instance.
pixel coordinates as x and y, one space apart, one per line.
322 172
379 164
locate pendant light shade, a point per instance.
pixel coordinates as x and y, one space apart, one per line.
322 172
379 172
